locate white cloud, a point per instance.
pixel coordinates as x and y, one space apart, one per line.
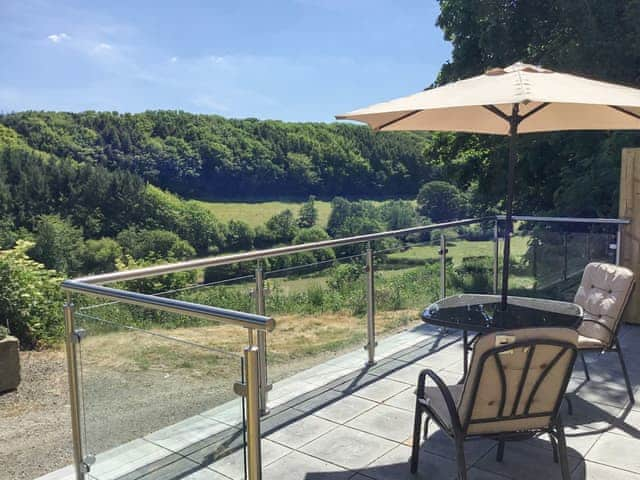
101 48
173 59
58 37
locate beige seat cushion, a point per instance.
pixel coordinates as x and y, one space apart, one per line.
603 294
485 405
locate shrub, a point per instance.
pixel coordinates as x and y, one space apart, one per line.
30 297
58 244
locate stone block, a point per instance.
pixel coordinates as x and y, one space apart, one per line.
9 364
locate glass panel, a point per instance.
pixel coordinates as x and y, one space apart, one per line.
556 255
319 303
157 402
407 279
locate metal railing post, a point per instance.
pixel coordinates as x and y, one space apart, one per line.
262 342
618 243
565 253
496 256
371 309
534 266
71 341
443 265
252 397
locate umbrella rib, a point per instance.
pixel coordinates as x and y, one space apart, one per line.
535 110
400 118
622 110
496 111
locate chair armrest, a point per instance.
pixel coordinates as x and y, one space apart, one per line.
444 390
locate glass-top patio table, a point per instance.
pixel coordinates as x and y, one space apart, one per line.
482 314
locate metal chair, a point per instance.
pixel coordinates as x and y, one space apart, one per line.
603 294
513 391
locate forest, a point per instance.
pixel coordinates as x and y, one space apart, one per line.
97 191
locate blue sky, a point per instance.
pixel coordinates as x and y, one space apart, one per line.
302 60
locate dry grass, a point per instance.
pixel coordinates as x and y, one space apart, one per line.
303 340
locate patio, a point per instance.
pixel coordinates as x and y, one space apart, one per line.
326 424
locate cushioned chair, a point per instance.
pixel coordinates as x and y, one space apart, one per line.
513 391
603 294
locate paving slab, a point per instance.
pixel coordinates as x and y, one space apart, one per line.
302 431
298 466
616 451
348 448
526 462
386 422
595 471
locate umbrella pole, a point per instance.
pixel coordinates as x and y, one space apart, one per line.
513 157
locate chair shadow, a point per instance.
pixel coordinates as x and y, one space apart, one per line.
442 465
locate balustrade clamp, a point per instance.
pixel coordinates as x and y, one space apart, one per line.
78 334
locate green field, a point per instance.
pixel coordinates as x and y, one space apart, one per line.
257 213
459 249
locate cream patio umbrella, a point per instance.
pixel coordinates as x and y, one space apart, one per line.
507 101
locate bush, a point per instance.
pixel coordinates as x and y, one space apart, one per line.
58 244
474 275
441 201
240 235
154 244
101 255
30 298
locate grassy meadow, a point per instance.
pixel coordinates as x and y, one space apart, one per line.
257 213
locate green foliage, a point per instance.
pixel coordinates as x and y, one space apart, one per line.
215 157
239 236
30 298
441 201
283 226
398 214
556 171
474 275
308 215
145 244
315 234
101 256
58 244
156 284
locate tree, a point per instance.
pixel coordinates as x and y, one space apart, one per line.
315 234
398 214
58 244
101 256
240 235
441 201
283 226
154 244
308 215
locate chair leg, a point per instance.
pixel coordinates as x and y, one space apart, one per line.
462 465
627 381
426 426
569 405
554 448
584 365
415 448
500 452
562 451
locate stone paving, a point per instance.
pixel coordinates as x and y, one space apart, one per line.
342 421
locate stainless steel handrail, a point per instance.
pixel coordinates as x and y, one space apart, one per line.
530 218
272 252
242 319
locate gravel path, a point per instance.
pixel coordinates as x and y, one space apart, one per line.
34 420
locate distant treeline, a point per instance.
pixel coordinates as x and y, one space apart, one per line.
211 156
